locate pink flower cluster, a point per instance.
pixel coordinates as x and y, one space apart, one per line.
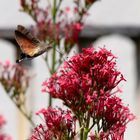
87 84
59 124
112 117
15 81
54 23
62 29
83 78
13 77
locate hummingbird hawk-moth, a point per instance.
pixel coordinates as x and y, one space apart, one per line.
30 46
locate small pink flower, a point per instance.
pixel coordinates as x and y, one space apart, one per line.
75 10
67 9
2 121
71 32
3 136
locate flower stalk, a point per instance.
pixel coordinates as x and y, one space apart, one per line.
54 11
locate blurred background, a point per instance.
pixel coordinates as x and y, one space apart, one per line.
112 23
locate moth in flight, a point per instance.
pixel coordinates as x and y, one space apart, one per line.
30 46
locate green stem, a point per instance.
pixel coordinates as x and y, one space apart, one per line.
83 130
50 100
54 11
81 133
85 134
81 127
53 59
53 69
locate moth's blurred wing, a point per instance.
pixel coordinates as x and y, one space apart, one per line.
25 32
28 44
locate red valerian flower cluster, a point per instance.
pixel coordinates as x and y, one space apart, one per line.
59 125
87 84
44 18
15 80
53 22
83 78
13 77
3 136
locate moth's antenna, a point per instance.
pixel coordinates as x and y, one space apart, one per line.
62 53
59 52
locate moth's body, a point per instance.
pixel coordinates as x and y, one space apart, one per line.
30 46
38 51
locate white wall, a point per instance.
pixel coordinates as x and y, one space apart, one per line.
104 12
115 12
